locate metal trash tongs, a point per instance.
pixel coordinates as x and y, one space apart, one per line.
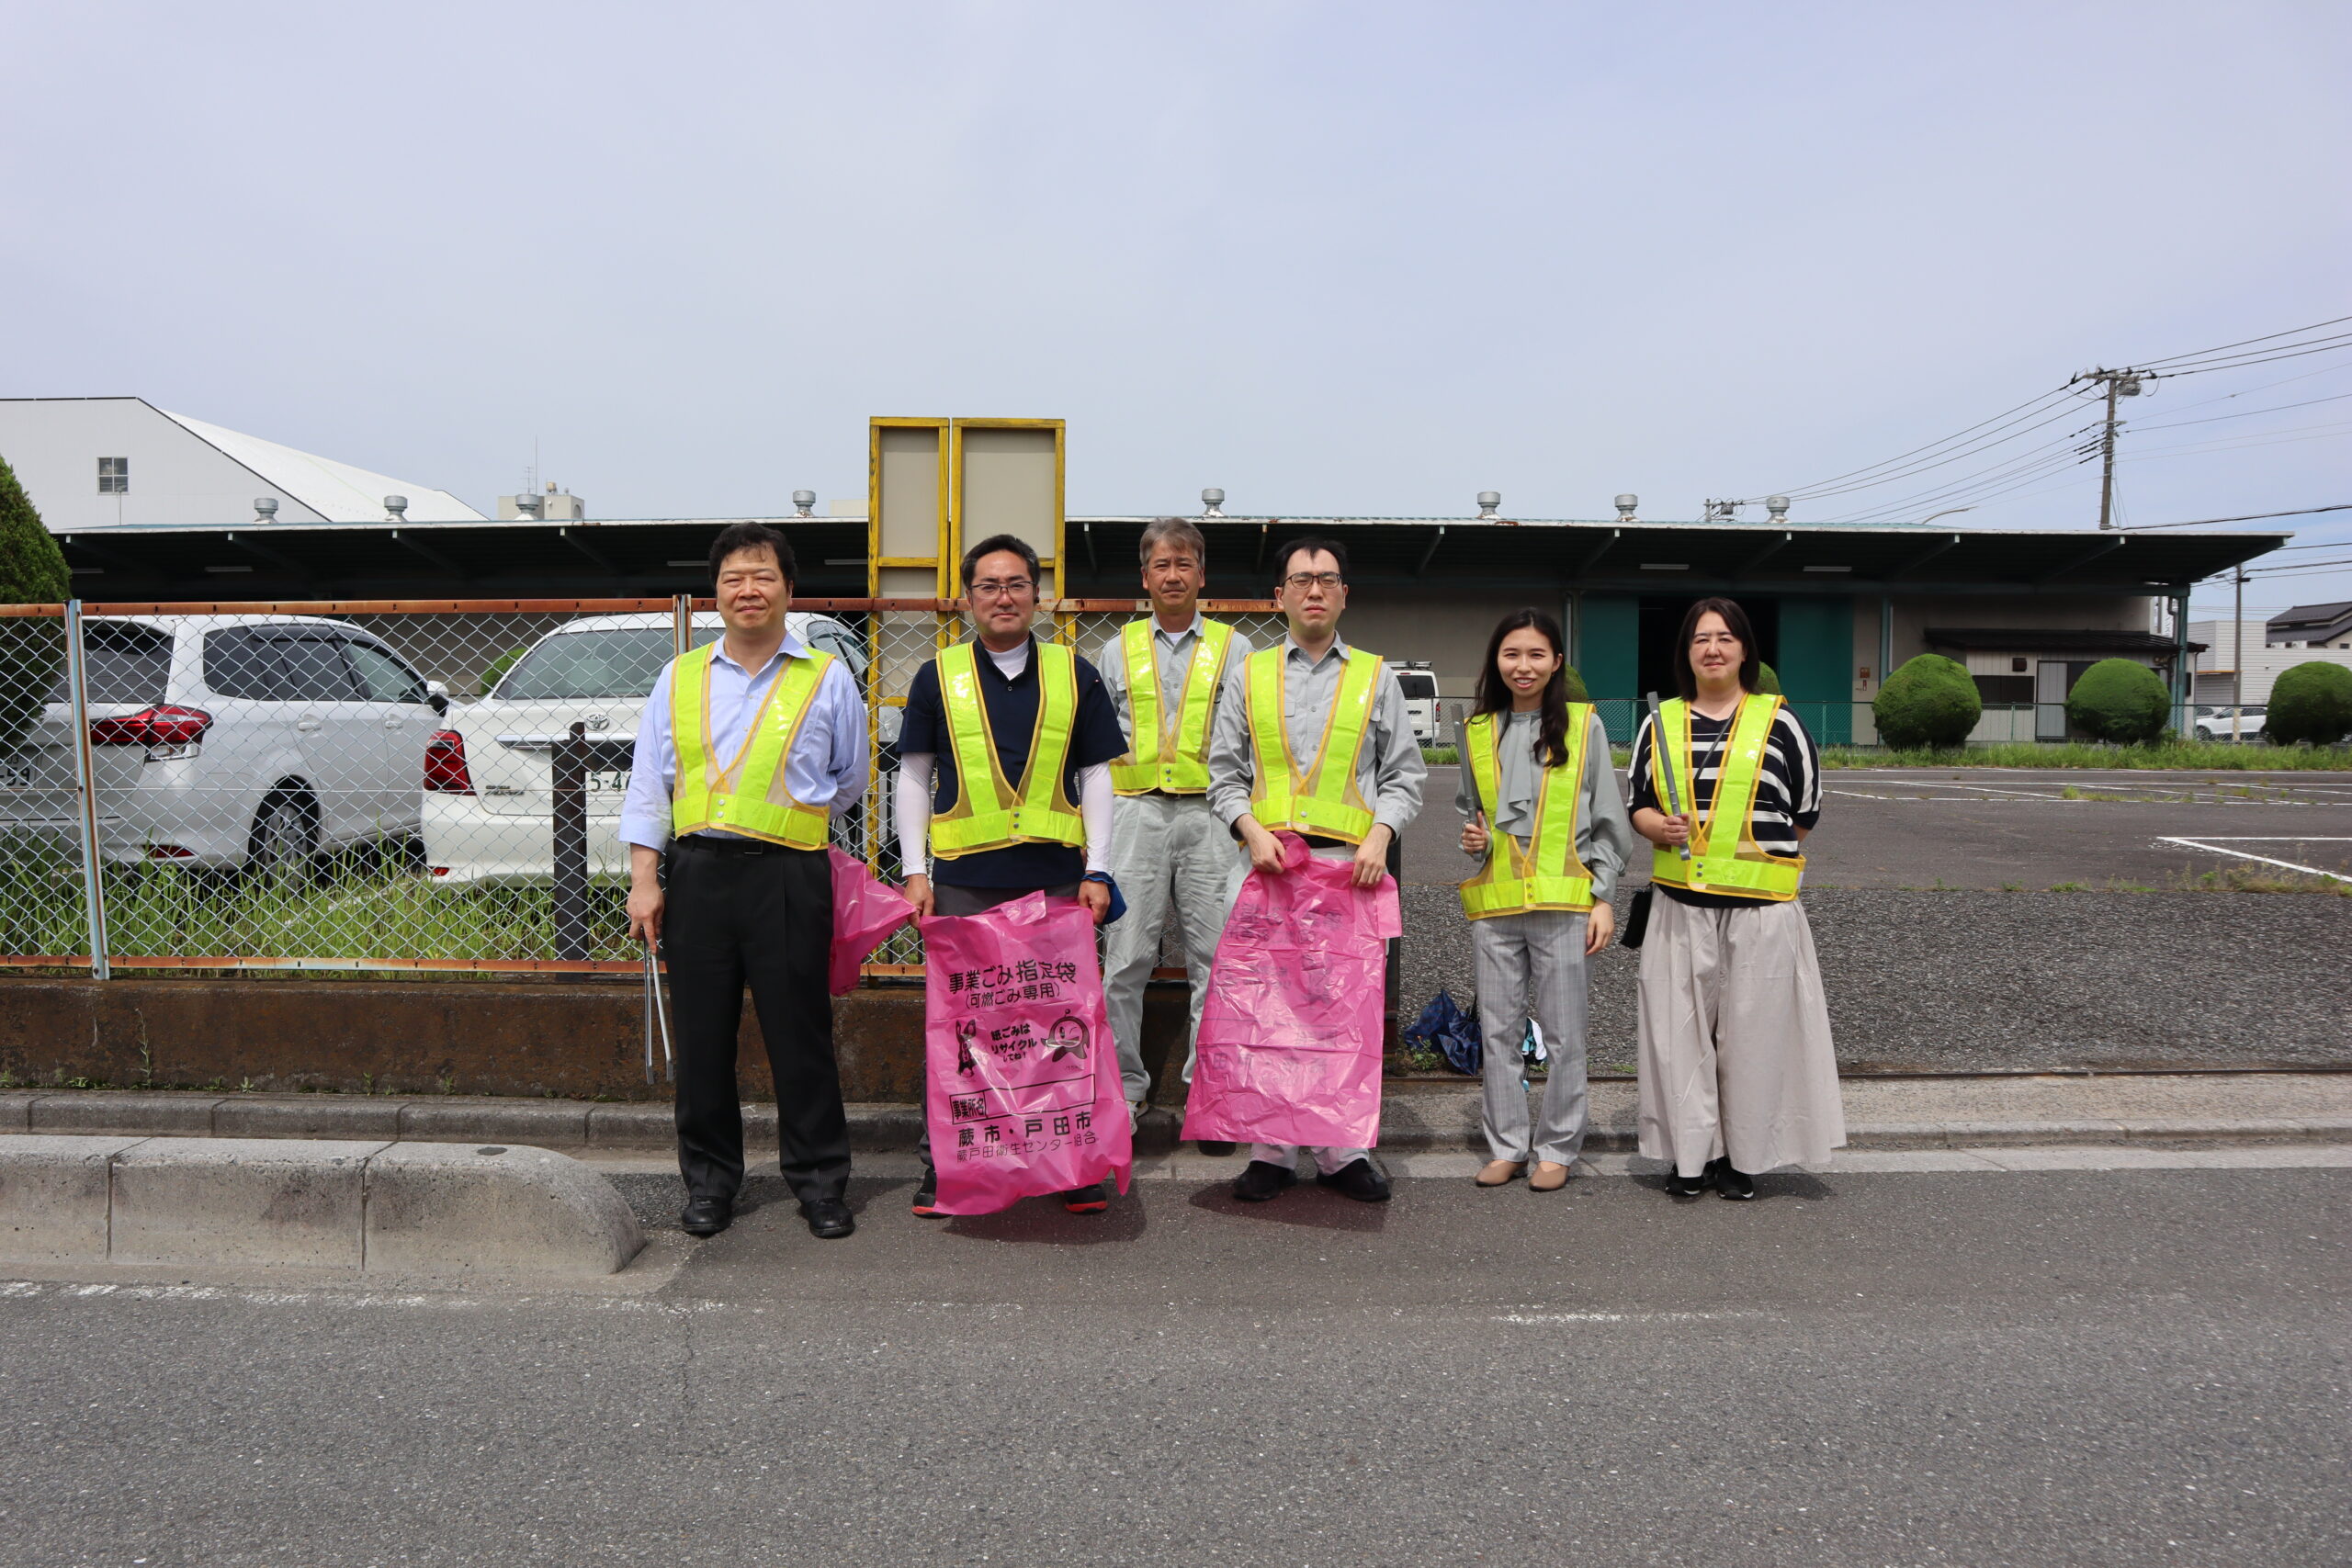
657 1015
1673 794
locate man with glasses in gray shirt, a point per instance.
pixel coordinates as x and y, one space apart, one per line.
1344 706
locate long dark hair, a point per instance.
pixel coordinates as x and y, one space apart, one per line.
1494 696
1686 679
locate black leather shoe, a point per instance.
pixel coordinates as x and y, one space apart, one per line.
1087 1199
1682 1186
927 1194
1733 1184
1215 1146
828 1219
706 1216
1358 1180
1261 1180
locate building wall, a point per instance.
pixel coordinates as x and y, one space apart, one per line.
2263 665
1448 629
54 445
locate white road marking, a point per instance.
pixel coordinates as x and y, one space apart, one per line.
2213 846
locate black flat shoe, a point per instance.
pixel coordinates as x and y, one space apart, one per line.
1733 1184
828 1219
1215 1146
706 1216
1087 1199
1357 1180
1682 1186
927 1194
1261 1180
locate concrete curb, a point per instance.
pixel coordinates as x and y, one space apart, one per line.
365 1206
1421 1116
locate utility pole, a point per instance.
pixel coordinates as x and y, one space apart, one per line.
2237 656
2120 384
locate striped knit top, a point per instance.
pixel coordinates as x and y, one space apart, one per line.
1788 797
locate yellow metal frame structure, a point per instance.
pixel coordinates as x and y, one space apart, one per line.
942 561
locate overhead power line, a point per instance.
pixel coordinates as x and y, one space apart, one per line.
2249 517
2241 343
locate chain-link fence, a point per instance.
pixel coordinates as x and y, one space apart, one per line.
426 786
376 785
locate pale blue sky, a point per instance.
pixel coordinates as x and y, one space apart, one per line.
1336 258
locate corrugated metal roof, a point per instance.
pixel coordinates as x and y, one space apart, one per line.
339 492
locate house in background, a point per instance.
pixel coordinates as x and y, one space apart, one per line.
2312 626
111 462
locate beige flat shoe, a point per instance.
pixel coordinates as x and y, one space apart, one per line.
1500 1172
1547 1177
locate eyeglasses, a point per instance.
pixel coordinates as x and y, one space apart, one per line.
1013 589
1303 580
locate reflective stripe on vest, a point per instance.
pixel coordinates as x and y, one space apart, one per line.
989 813
1548 875
1724 856
749 795
1164 756
1325 802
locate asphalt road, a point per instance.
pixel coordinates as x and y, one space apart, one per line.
2078 1368
2001 828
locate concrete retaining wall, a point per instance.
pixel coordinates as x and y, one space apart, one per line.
576 1039
354 1204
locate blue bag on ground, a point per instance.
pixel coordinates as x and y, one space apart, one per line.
1444 1027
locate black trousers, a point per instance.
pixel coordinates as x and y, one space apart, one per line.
766 920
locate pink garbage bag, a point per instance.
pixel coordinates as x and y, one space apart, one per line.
1023 1095
866 910
1290 1033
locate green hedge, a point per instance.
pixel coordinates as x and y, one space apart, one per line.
1768 682
32 572
2310 704
2121 701
1930 702
1575 683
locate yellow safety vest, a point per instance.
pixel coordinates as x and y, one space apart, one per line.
1325 801
1171 752
748 796
989 813
1724 857
1549 875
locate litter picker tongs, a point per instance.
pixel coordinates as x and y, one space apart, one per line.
657 1016
1673 790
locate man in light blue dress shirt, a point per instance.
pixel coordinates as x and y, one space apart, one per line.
750 902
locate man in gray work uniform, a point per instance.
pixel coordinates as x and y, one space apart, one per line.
1385 789
1169 676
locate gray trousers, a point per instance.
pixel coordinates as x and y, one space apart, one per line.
1540 951
1325 1160
1167 851
949 900
1735 1054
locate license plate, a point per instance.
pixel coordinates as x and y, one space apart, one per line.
17 775
607 781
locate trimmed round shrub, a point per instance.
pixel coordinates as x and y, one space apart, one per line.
1574 685
32 572
2120 701
1767 683
2312 702
1931 701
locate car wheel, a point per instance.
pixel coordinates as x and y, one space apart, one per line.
285 843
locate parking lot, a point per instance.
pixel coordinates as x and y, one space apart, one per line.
1989 919
2009 829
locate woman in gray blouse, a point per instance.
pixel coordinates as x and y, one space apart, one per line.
1546 815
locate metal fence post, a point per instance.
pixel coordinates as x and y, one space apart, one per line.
570 892
85 792
681 624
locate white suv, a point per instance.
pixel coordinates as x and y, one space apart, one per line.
231 740
2212 722
488 777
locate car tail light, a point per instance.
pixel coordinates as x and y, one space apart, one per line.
169 852
445 764
166 729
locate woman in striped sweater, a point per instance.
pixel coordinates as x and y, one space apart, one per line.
1737 1072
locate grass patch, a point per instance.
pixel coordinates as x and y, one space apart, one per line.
2256 879
1441 756
2208 755
353 907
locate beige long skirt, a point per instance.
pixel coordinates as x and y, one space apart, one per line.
1736 1057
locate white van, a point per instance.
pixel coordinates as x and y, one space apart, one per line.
1418 683
231 740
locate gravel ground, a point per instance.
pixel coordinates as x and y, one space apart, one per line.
1958 980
